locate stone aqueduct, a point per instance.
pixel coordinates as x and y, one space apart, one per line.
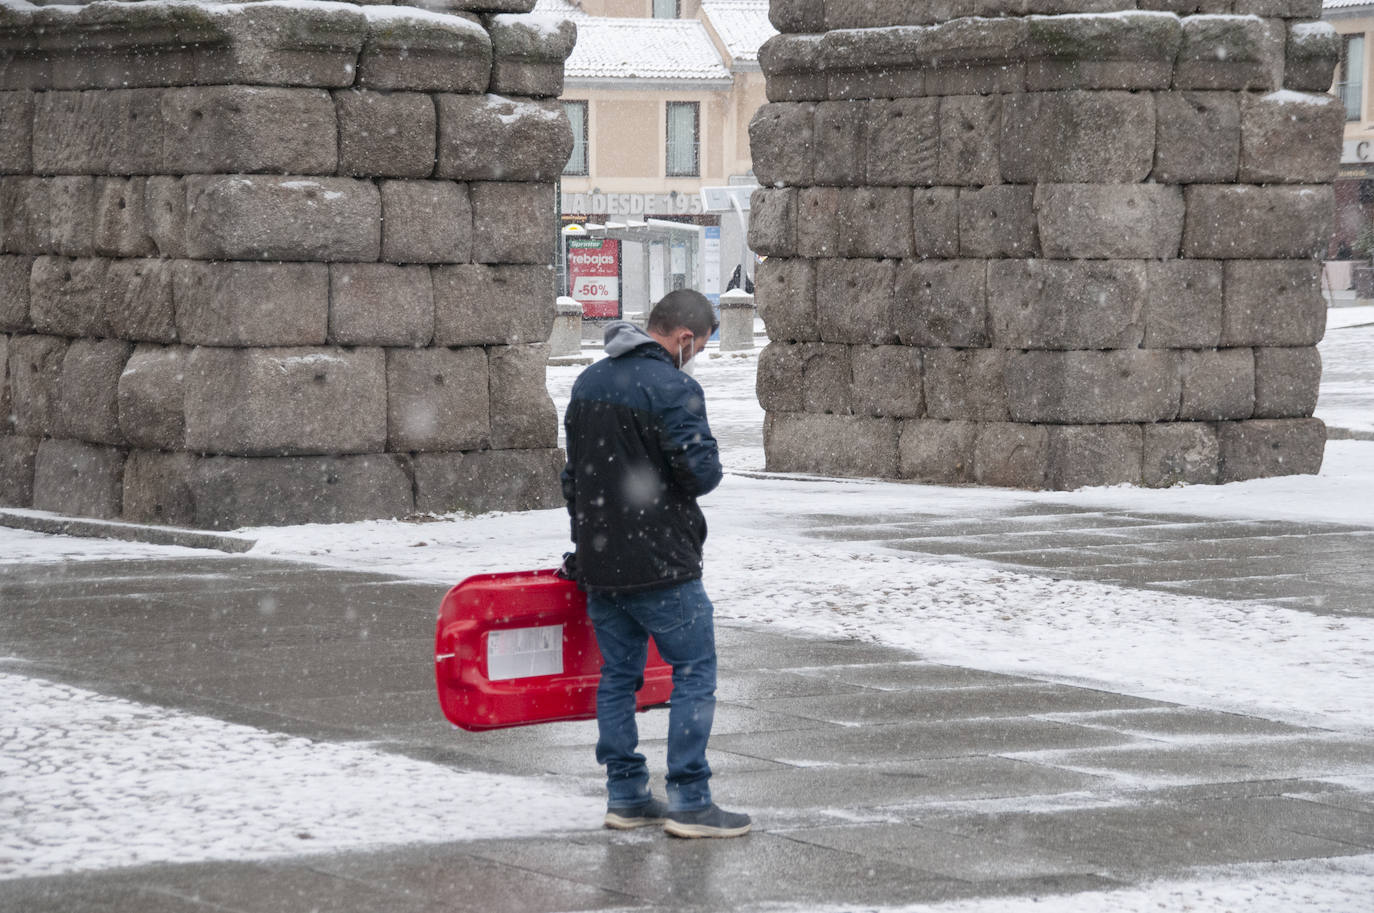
287 262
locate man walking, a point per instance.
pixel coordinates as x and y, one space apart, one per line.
640 453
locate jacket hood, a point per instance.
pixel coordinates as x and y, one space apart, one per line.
623 336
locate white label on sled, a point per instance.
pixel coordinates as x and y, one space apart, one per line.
524 652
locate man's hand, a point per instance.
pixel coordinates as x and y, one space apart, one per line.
568 571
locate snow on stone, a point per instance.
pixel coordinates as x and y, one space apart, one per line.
385 15
125 783
1290 97
677 49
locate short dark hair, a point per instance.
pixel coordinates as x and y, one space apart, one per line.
683 308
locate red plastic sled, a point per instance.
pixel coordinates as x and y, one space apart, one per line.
516 649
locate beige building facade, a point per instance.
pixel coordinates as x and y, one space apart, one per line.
1353 237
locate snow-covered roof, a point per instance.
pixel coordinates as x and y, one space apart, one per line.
741 24
1345 4
564 8
656 49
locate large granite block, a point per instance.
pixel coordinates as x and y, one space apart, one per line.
1180 453
838 445
528 54
1197 137
140 300
87 406
476 304
997 221
151 396
426 222
18 455
942 303
886 381
251 304
102 131
773 222
67 297
937 451
854 302
966 384
970 146
523 416
805 377
782 142
84 480
1287 381
854 222
1077 137
1011 455
14 293
16 143
841 131
1290 137
1076 304
1312 53
121 222
490 138
1087 387
1119 50
487 480
237 217
380 304
513 223
242 129
1087 455
389 134
785 293
802 16
164 207
287 401
1230 52
158 488
407 49
1273 303
1216 384
438 399
35 382
1109 221
935 222
1270 447
1183 304
48 215
232 492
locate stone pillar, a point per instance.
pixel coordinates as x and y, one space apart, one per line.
1044 251
736 320
565 342
267 264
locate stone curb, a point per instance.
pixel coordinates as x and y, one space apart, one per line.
42 522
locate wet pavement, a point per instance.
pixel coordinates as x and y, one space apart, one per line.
875 778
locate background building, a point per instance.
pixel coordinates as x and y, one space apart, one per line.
660 94
1353 237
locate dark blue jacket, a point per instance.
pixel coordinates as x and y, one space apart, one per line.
640 453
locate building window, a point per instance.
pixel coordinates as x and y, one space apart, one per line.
577 118
683 139
1350 88
666 9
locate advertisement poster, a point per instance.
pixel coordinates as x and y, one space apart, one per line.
710 264
594 276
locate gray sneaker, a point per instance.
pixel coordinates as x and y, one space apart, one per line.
651 811
712 821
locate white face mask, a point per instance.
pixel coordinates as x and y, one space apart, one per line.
684 366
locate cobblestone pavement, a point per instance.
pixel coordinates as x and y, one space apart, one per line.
875 778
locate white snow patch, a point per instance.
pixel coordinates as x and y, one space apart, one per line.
396 14
1289 97
123 783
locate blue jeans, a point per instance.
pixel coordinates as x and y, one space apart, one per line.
680 619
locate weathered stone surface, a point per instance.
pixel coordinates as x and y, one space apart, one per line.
840 445
788 62
1197 137
773 222
488 305
969 139
1217 384
854 302
941 303
778 380
1313 50
528 54
48 215
1273 303
140 302
1183 304
997 222
522 413
121 224
152 397
241 129
266 402
16 141
164 206
231 492
1270 447
1084 455
937 451
1180 453
87 404
35 377
1125 50
426 222
73 477
513 223
800 16
6 411
887 381
282 218
904 141
389 134
1290 138
785 292
1109 221
841 142
1077 304
490 138
1247 222
251 304
805 377
1230 52
935 222
437 399
966 384
1119 385
408 50
14 293
782 141
380 304
67 297
158 488
486 480
17 457
1011 455
1287 381
1076 137
854 222
104 131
